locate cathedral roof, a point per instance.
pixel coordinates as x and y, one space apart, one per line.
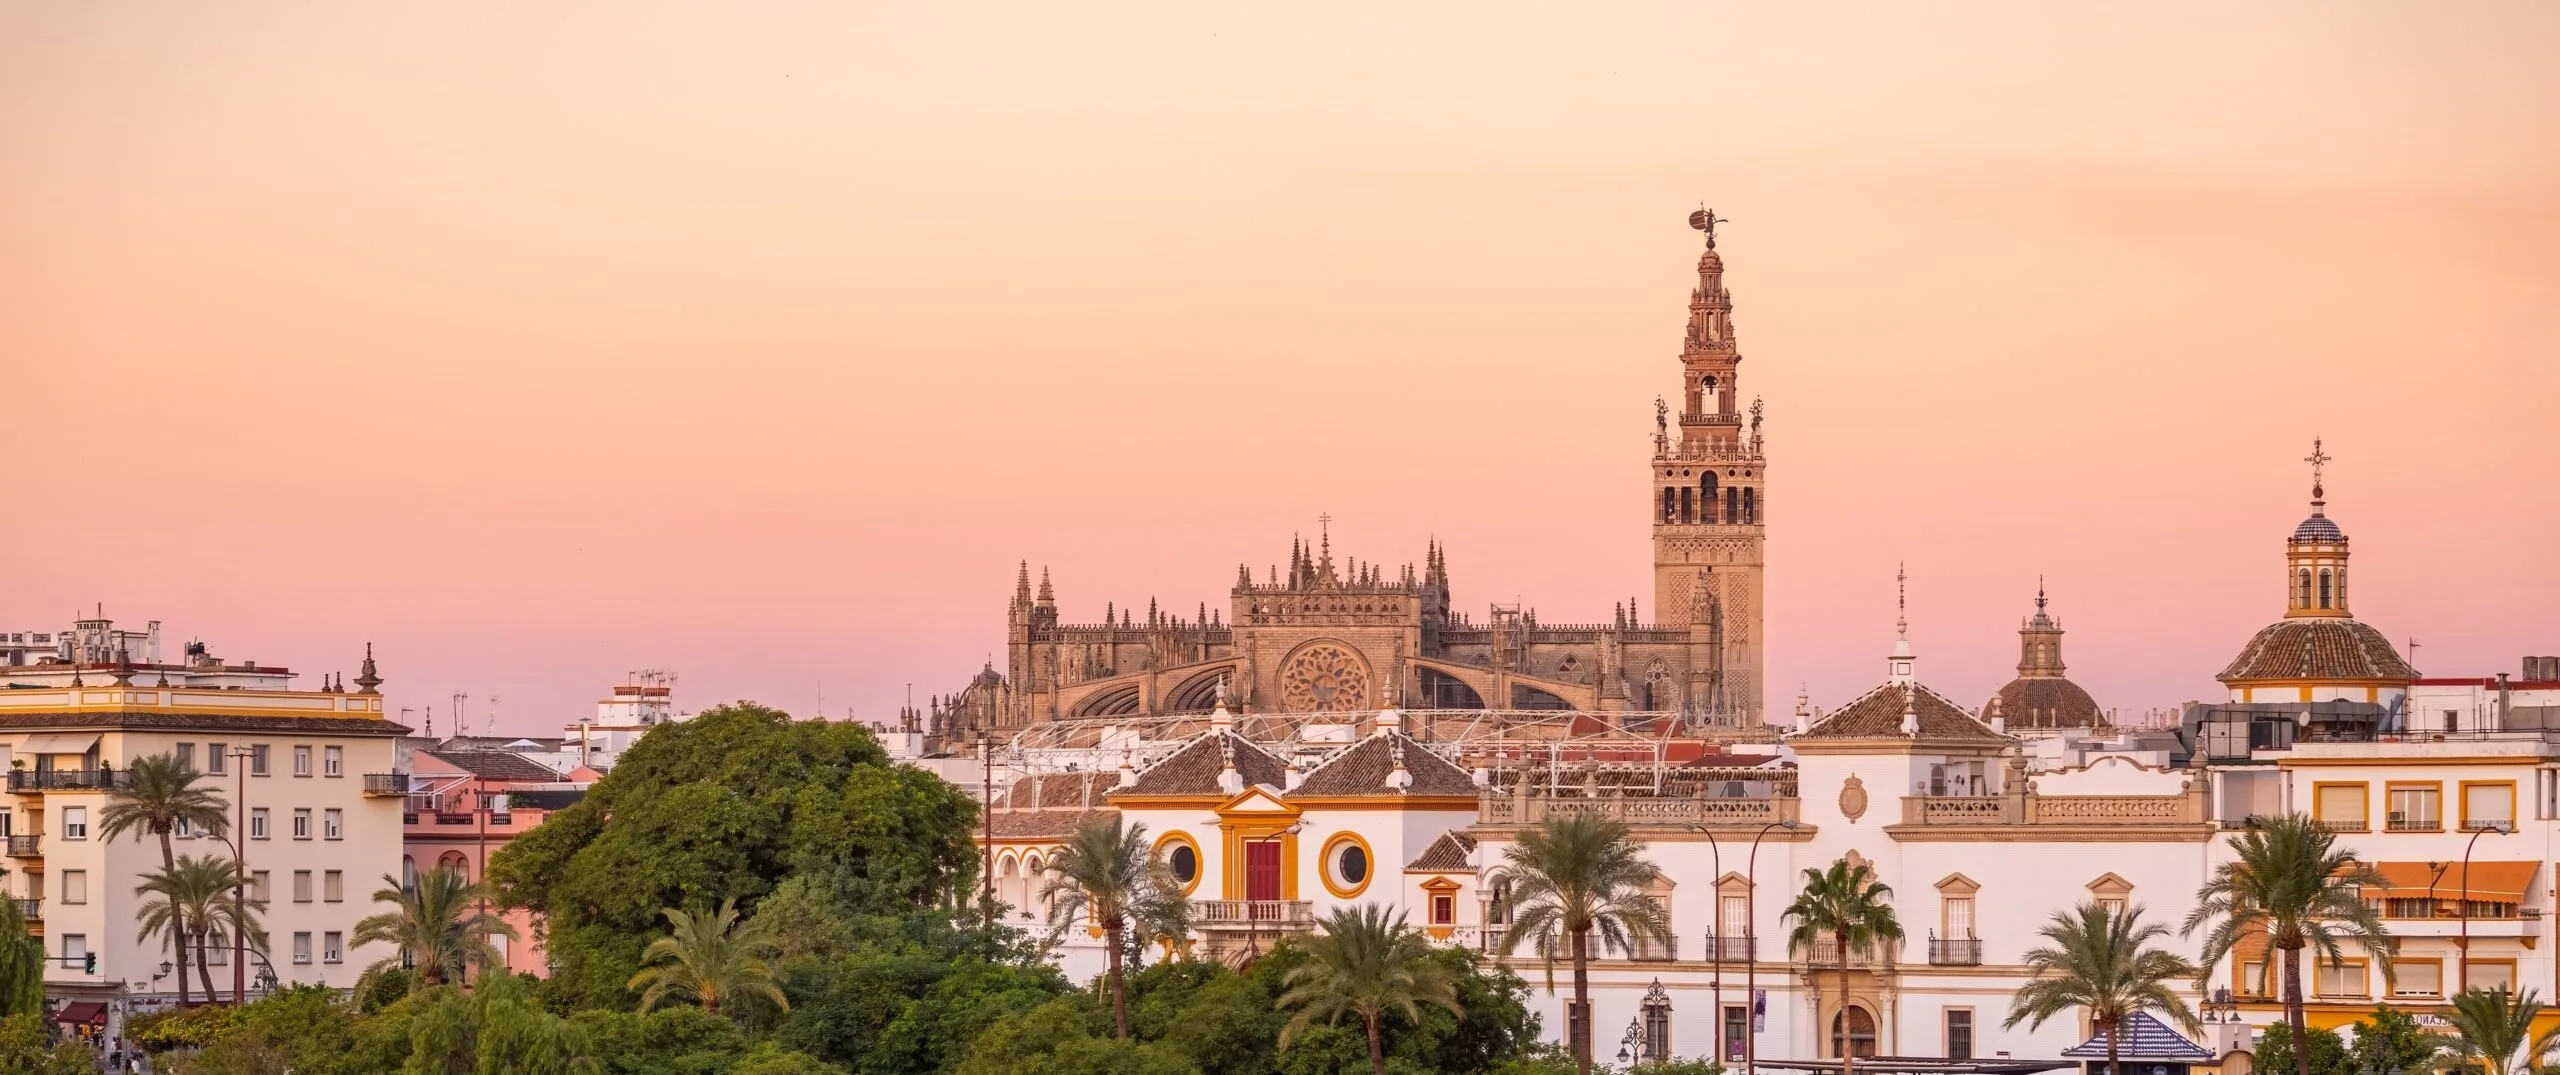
2318 528
1363 768
2318 648
2045 702
1877 714
1194 769
1451 853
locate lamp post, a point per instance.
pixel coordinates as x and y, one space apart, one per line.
1627 1042
240 880
1751 946
1715 944
2462 948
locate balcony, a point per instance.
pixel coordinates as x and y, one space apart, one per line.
1923 815
1274 916
2399 822
1728 948
31 781
385 785
31 910
1955 951
1826 954
26 847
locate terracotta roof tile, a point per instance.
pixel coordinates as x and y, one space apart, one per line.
497 765
344 726
1042 824
1877 714
1362 768
2318 648
1450 853
2045 702
1056 791
1194 769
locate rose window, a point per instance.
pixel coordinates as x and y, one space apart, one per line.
1324 678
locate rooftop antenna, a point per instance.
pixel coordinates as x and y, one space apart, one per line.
461 713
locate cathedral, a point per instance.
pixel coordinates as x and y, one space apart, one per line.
1338 635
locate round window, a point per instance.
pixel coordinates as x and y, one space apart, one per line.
1352 864
1185 863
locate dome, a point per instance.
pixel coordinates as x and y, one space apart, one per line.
2318 528
2044 702
2322 648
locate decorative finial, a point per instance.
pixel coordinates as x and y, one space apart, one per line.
2039 593
1901 603
2317 459
1705 220
368 680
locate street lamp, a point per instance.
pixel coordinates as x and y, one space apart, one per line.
1627 1043
1751 942
2462 948
1715 944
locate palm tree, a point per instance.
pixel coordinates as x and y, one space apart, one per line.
1108 875
440 924
191 900
1366 964
158 794
2101 961
1571 877
1846 905
711 958
2290 885
2494 1028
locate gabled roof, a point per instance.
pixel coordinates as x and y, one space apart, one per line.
1362 769
1061 791
1448 854
1194 769
497 765
2142 1038
1877 714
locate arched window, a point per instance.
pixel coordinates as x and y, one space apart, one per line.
408 872
1031 888
455 861
2324 587
1750 509
1732 504
1668 513
1688 512
2304 601
1657 1025
1859 1026
1707 497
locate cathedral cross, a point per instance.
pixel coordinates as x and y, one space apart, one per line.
2317 459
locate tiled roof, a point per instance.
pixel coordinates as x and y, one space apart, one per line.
1194 769
2322 647
1056 791
497 765
2045 702
1448 854
1362 768
2142 1038
1877 714
366 727
1042 824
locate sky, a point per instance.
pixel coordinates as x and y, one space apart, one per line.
537 344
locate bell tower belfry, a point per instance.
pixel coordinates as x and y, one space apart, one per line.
1709 499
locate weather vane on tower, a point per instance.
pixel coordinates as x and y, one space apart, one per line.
2317 459
1705 220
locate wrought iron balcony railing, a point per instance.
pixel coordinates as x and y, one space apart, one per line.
1955 951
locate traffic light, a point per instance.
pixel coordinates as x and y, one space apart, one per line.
89 964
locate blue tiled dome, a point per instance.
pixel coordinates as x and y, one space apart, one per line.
2318 528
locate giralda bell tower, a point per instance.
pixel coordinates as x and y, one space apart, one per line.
1710 503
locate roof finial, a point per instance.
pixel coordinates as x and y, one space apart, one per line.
1902 605
2039 593
1705 220
2317 459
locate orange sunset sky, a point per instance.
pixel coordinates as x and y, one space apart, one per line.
537 343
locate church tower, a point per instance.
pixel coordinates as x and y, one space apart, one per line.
1709 499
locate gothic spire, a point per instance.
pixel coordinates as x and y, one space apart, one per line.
1022 584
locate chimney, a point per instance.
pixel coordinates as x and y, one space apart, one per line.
2505 699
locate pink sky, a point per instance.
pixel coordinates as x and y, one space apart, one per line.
539 343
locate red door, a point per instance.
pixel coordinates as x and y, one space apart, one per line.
1262 870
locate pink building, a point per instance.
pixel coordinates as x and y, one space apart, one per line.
466 804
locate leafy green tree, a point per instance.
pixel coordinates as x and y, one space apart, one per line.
2494 1029
23 1048
1365 962
2327 1055
729 804
1109 875
712 959
2390 1042
1572 877
1847 906
935 1030
441 925
667 1041
2102 962
21 965
497 1030
771 1059
1056 1038
2290 884
158 795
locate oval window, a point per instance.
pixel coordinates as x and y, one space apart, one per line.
1185 863
1352 865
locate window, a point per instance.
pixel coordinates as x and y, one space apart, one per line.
2411 978
185 829
2488 806
1959 1033
1737 1030
333 761
1184 861
1444 908
75 886
2491 974
1347 865
2341 807
2339 980
1959 918
1733 918
333 823
187 756
302 823
329 948
75 823
216 762
258 889
75 952
258 759
2113 904
302 947
333 886
1666 946
257 823
2255 981
301 886
2324 588
302 760
1657 1029
2414 807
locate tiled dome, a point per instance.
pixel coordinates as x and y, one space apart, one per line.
2319 648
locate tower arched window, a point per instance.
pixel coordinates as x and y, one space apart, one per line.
1750 505
2324 587
1707 497
1732 504
2304 600
1667 513
1687 511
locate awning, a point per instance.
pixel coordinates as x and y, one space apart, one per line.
81 1012
59 743
2495 881
2143 1038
